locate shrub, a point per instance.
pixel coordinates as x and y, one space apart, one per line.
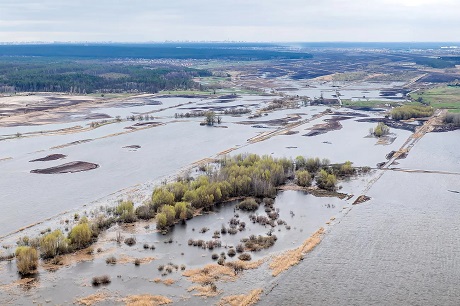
248 204
137 262
130 241
160 197
240 248
80 235
411 111
111 260
303 178
326 181
452 119
53 244
244 257
221 261
101 280
214 256
231 252
26 260
380 130
145 212
162 221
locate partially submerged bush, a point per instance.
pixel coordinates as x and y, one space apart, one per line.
53 244
145 212
26 260
303 178
248 204
130 241
101 280
380 130
231 252
258 243
80 235
244 257
111 260
326 180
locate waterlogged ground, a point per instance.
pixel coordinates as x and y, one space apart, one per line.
402 230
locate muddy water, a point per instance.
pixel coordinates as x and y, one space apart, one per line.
398 249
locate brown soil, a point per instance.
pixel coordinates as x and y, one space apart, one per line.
361 199
49 158
292 257
242 300
72 167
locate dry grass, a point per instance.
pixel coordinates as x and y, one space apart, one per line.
124 259
242 300
210 273
146 300
207 276
213 272
205 290
92 299
167 282
292 257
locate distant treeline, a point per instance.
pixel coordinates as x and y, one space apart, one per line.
154 51
92 76
432 62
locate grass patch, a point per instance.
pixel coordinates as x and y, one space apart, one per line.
446 97
242 300
146 299
292 257
370 103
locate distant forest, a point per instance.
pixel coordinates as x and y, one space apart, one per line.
104 68
33 75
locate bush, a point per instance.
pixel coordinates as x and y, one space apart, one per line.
80 235
240 248
380 130
53 244
326 181
26 260
248 204
231 252
162 221
303 178
111 260
130 241
137 262
101 280
160 197
411 111
452 119
214 256
244 257
145 212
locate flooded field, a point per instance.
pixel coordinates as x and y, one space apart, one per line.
125 157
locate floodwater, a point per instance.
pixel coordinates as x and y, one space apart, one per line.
400 248
403 240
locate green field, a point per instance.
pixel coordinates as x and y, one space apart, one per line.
370 103
447 97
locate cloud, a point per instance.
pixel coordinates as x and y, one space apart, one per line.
251 20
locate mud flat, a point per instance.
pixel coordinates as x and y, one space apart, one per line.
49 158
72 167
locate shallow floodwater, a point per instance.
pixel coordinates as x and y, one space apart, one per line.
308 214
400 248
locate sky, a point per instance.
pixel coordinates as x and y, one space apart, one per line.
230 20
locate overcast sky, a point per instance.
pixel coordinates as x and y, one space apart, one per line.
235 20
